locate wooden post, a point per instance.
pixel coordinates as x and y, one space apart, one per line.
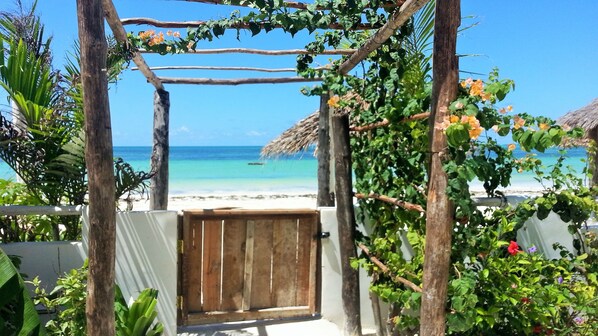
346 223
98 155
159 181
324 195
439 210
593 135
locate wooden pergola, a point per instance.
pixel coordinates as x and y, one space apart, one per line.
91 15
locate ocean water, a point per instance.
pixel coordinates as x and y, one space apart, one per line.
240 170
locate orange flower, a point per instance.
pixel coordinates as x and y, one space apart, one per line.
169 32
333 101
474 133
511 147
518 122
146 34
466 82
509 108
453 119
476 88
544 126
190 45
485 96
176 34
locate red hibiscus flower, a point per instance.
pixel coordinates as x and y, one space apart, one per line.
513 248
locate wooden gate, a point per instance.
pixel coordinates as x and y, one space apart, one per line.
247 264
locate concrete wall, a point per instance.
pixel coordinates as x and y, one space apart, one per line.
46 260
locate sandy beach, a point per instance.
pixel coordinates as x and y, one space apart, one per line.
247 200
244 201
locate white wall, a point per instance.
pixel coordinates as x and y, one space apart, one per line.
146 258
332 305
46 260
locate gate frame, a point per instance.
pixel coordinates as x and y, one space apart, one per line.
185 318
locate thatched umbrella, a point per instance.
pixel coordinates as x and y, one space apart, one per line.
586 118
304 133
296 139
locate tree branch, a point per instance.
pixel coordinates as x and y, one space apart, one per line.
121 36
287 4
262 51
398 18
386 122
238 25
200 67
237 81
394 201
385 270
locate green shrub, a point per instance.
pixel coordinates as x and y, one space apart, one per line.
67 300
17 312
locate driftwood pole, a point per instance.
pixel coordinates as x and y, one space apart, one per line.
439 210
593 135
346 222
98 156
324 195
159 161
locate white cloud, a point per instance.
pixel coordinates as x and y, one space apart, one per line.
255 133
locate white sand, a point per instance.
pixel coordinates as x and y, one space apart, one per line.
215 201
246 200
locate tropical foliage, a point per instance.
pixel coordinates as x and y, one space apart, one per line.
45 142
492 290
17 312
67 301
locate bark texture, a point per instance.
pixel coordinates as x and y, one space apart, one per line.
160 151
98 155
439 210
346 224
325 197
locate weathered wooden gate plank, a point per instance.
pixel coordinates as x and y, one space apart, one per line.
262 265
305 236
212 263
193 257
233 260
248 265
284 263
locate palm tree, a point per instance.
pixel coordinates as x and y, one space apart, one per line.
44 141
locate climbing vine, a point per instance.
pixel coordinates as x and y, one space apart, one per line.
497 286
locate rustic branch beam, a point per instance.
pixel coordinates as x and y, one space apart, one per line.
287 4
398 18
262 51
239 25
385 270
200 67
391 200
121 36
237 81
386 122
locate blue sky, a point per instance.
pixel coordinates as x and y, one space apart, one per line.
550 51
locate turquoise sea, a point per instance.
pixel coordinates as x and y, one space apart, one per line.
241 170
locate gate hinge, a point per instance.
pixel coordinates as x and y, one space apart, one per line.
179 302
180 246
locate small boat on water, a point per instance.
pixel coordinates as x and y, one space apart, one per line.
256 163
